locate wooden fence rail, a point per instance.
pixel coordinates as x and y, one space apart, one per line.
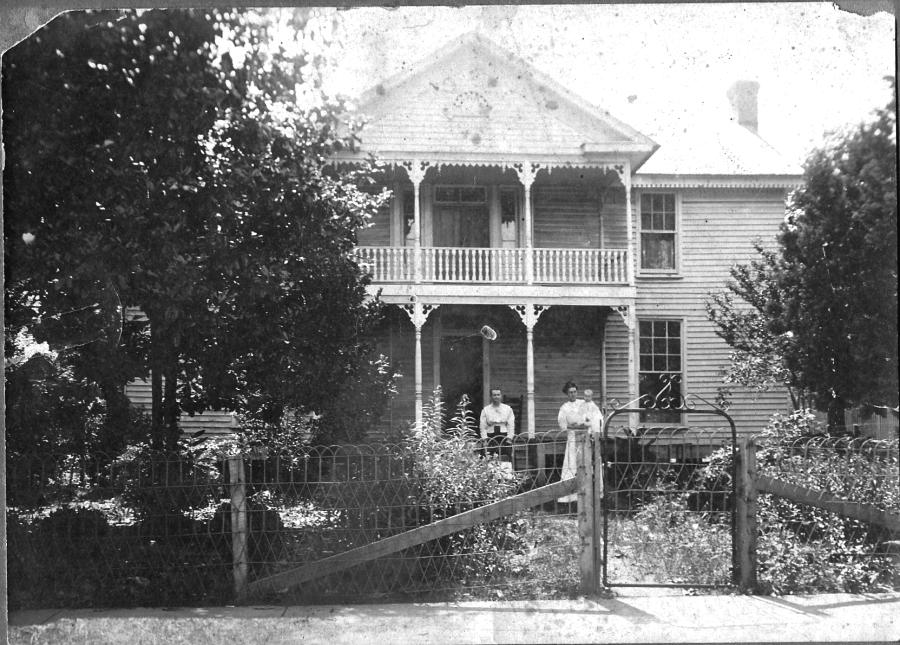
487 513
829 502
750 483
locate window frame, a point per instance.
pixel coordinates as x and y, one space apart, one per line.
458 187
676 232
682 361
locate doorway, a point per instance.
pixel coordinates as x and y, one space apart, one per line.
461 373
461 217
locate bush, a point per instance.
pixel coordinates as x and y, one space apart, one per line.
58 560
670 543
264 526
433 474
451 477
161 487
802 549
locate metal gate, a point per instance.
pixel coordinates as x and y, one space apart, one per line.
667 501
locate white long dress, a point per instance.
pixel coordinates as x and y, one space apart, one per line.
574 412
570 413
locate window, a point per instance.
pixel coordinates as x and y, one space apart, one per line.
658 232
660 368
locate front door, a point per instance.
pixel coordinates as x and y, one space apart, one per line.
461 373
461 217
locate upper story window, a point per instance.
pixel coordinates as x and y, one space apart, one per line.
658 232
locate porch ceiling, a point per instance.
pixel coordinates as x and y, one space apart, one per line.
501 174
439 294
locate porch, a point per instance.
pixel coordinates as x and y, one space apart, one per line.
537 348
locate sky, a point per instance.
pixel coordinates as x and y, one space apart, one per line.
819 68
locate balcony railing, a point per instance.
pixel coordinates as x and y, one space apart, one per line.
494 265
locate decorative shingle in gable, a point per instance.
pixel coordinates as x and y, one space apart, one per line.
474 99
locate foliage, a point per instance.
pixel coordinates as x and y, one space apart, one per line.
451 475
158 160
757 359
801 549
820 314
839 248
159 487
670 543
73 558
359 405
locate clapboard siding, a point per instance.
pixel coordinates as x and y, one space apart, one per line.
616 350
140 393
613 226
378 230
553 366
717 230
565 216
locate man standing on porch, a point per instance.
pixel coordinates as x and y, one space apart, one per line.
497 418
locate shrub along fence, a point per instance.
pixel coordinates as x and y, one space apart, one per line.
153 529
818 514
445 518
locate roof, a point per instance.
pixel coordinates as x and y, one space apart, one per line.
691 146
473 99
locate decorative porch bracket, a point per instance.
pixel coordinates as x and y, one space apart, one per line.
529 314
418 313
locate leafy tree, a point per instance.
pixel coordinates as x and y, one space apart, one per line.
157 160
822 313
742 314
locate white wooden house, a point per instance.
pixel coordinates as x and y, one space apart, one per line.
590 246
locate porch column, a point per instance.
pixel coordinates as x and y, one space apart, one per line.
418 314
526 172
629 317
416 171
625 176
529 314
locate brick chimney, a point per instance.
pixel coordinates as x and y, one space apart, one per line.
743 98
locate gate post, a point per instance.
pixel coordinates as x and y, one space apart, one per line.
744 540
237 479
584 474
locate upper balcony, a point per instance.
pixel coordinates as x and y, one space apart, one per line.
496 266
469 235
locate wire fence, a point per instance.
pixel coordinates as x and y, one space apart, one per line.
668 505
152 529
829 519
147 529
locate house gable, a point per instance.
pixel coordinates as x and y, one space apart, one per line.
477 101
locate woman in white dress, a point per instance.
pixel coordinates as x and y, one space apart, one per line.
571 417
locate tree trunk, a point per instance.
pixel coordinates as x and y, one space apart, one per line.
156 396
836 415
170 403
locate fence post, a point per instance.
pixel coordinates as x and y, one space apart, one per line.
598 448
584 474
237 479
745 515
